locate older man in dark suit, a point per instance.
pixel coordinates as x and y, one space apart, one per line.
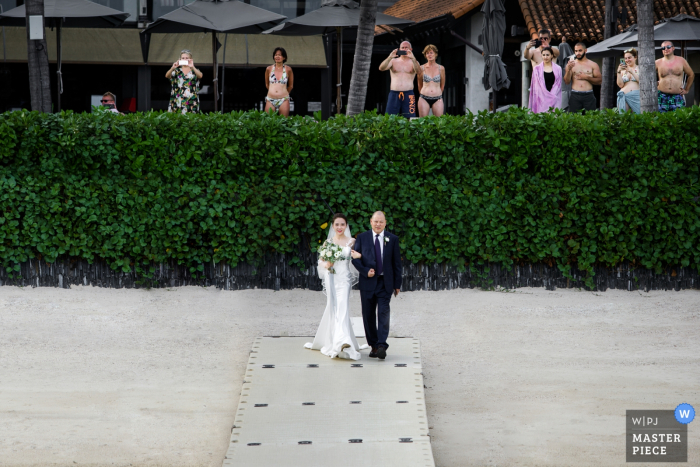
380 277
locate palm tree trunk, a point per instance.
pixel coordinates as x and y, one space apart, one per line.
647 65
606 88
363 57
38 62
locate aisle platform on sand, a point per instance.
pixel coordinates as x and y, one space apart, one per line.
299 407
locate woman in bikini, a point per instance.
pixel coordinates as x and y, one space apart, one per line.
431 84
628 80
279 80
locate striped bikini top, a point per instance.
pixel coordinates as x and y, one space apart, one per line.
428 79
273 78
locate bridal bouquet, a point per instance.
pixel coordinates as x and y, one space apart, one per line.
331 252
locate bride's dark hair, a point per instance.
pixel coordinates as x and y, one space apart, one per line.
339 216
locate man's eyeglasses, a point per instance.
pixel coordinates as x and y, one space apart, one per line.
666 47
105 101
544 38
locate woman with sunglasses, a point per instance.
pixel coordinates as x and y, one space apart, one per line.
628 80
184 80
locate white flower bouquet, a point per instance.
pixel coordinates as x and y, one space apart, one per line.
331 253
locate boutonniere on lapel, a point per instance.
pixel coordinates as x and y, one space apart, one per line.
386 240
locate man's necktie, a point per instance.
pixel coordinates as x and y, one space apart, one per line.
378 254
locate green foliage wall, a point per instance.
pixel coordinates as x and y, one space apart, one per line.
512 187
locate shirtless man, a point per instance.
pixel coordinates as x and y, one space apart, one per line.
534 54
585 73
670 69
404 69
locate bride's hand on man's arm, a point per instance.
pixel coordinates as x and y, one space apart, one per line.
355 254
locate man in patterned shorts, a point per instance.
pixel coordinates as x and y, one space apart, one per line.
670 69
404 68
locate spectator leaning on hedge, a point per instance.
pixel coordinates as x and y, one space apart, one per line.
184 79
545 88
671 68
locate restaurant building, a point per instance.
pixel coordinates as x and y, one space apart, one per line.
100 60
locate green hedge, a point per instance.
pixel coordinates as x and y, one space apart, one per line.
512 187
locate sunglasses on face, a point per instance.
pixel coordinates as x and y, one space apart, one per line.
105 101
667 47
544 38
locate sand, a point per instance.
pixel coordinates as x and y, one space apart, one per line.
107 377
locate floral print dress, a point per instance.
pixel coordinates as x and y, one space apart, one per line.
184 97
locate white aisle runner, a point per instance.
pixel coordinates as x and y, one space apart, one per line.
301 408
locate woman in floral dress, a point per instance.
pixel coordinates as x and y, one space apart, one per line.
184 96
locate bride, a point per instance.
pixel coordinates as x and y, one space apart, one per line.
335 337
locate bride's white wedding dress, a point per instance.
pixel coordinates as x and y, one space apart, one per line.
335 337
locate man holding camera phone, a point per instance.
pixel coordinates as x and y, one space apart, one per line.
109 102
583 74
403 67
533 51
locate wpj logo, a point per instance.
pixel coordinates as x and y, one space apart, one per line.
658 435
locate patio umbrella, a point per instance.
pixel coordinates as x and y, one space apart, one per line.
69 14
333 16
682 28
604 48
493 29
225 16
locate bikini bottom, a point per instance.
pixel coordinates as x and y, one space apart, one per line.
277 103
431 100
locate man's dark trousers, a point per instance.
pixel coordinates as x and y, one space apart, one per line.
378 300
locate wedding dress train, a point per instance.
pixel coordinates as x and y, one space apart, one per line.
335 337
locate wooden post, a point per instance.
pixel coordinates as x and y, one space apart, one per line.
608 71
339 98
216 69
647 62
59 79
38 62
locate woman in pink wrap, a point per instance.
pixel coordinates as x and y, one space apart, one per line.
545 88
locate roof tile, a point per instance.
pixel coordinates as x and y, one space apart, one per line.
583 20
578 20
421 10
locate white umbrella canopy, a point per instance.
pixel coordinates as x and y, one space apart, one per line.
225 16
68 14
